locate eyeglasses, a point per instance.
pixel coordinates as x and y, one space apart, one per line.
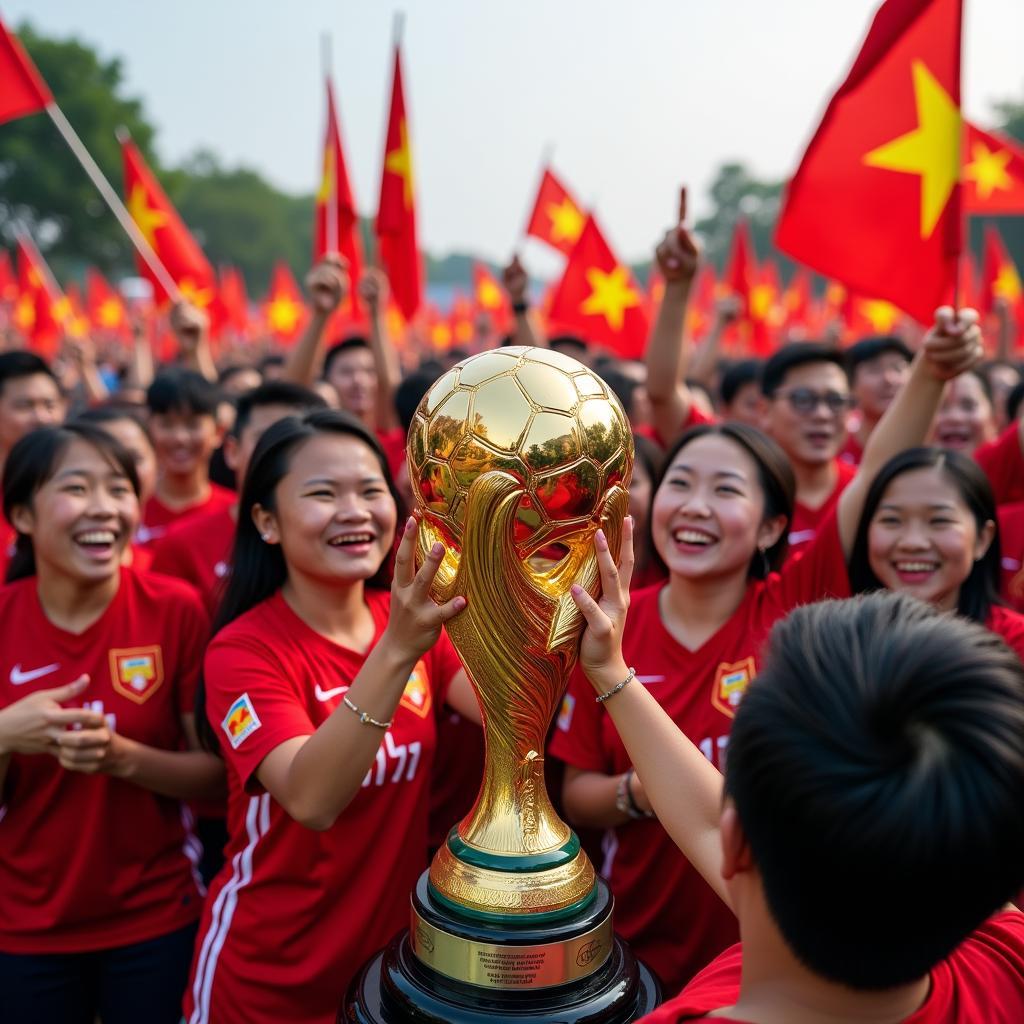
804 401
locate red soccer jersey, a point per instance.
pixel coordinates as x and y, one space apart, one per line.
852 451
1003 464
295 913
806 520
666 911
393 443
694 418
1010 626
157 518
199 552
980 982
90 861
1011 541
7 538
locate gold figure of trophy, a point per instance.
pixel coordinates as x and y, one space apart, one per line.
516 457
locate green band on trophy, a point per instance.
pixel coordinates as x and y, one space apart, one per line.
502 862
511 966
511 919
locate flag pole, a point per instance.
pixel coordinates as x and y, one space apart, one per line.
113 200
331 211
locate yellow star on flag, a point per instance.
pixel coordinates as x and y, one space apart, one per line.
146 217
931 150
610 296
987 170
761 301
399 161
60 310
882 315
1007 283
566 220
25 312
109 313
193 293
283 314
327 181
488 294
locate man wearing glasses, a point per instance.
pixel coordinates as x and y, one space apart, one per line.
807 399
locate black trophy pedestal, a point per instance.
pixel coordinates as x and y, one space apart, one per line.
397 987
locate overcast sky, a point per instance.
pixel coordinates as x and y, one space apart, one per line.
634 97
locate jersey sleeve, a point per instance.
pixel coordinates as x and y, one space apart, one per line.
444 665
251 704
988 968
1003 464
576 738
816 573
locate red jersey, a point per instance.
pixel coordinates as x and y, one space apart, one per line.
1009 625
157 517
393 443
8 536
806 520
90 861
694 418
198 551
1003 464
673 920
852 452
1011 541
980 982
294 913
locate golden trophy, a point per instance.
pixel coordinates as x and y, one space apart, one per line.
516 457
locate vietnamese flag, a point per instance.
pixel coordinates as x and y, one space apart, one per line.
461 320
764 308
489 297
796 301
41 306
104 307
8 284
232 301
556 218
999 276
740 267
165 231
875 202
599 297
700 310
22 89
993 173
284 312
396 215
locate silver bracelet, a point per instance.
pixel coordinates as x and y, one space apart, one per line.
364 716
601 698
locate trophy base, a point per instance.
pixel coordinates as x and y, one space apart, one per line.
451 970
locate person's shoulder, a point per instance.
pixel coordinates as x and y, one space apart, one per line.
645 600
987 969
12 596
263 625
717 985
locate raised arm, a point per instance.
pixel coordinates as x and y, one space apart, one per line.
668 350
326 285
191 328
526 330
373 289
952 346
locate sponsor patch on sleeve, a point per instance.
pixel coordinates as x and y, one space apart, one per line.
565 712
240 721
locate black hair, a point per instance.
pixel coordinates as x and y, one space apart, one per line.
980 591
797 353
410 391
865 349
1013 402
569 345
32 462
876 766
111 412
274 392
267 361
259 570
183 391
339 347
737 376
774 474
22 363
228 372
623 386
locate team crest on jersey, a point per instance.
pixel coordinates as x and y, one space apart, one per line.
565 712
416 695
240 721
731 682
137 672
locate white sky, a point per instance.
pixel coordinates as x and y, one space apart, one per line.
636 98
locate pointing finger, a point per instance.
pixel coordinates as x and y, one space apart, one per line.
405 570
682 205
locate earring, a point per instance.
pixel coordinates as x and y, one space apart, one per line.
265 537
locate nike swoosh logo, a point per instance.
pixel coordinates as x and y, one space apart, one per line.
18 677
322 694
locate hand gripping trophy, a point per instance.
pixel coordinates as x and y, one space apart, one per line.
516 457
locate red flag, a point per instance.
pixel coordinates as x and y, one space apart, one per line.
233 302
104 306
461 320
599 297
336 220
41 305
876 199
700 310
999 276
993 173
740 267
8 284
165 231
765 309
396 215
284 312
796 301
556 218
490 298
22 89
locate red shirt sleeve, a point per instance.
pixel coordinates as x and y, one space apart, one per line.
716 986
576 738
694 418
444 664
1003 464
250 702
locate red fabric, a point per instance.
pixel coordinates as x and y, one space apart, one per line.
40 307
8 536
599 297
806 520
1011 540
881 236
22 89
1009 625
663 908
396 215
999 277
993 173
157 518
198 551
90 861
489 297
284 312
556 217
166 232
105 307
393 443
294 913
1003 464
852 452
458 769
981 982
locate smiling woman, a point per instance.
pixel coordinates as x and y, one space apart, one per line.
98 665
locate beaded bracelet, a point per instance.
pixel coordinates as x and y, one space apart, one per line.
364 716
615 689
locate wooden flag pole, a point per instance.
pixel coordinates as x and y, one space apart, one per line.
113 200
